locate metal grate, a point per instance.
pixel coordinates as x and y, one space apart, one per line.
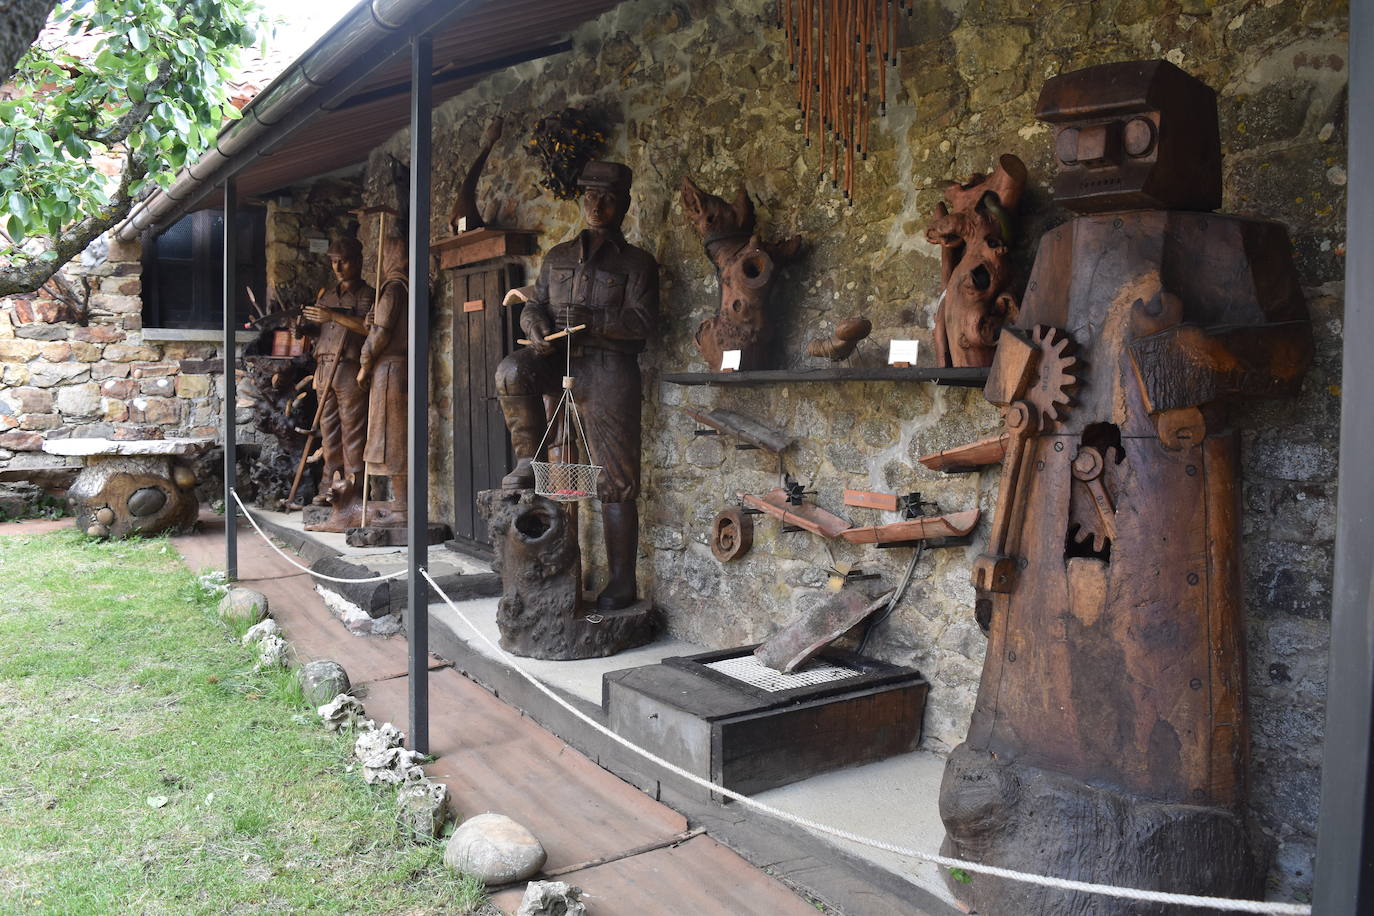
751 671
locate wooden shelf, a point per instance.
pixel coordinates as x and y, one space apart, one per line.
482 245
964 378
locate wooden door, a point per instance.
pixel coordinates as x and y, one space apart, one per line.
484 331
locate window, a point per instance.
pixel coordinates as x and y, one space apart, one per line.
183 270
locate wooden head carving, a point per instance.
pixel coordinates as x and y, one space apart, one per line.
1136 134
974 229
746 267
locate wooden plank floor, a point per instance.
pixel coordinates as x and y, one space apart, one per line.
494 758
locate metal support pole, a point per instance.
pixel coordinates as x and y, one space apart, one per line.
1345 830
231 546
417 429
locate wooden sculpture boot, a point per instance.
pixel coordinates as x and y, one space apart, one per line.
1109 738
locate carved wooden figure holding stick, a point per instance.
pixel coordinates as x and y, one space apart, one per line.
341 317
1109 738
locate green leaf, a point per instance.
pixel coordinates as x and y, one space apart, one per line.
19 207
138 38
150 70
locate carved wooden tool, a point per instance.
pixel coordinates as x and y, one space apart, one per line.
811 631
811 517
968 457
955 524
741 427
556 335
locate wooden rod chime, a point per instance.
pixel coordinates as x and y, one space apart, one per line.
830 46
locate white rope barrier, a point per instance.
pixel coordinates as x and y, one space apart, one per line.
289 559
1127 893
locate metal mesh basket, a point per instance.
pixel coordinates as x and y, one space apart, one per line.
565 483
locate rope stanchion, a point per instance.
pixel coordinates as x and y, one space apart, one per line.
1128 893
289 559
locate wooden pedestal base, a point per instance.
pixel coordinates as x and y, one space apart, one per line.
748 738
563 637
391 536
1025 818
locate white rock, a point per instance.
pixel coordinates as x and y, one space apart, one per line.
422 807
262 630
344 712
552 898
393 766
273 652
375 740
494 849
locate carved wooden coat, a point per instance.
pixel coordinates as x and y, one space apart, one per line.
1112 702
746 267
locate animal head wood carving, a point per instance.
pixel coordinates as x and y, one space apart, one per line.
746 267
973 227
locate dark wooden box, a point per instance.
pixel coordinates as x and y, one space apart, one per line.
749 739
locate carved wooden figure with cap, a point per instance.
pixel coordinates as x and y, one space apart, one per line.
1109 738
600 281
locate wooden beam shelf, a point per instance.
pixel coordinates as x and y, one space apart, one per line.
964 378
482 245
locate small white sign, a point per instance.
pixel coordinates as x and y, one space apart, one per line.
729 360
319 246
902 351
462 224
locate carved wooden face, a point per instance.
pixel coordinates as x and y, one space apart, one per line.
603 208
347 267
713 216
1133 135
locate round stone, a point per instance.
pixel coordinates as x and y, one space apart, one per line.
105 516
98 531
322 680
183 477
243 605
494 849
147 501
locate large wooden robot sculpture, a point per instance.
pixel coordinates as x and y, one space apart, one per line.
1109 739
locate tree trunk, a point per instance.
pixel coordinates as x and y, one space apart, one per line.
20 23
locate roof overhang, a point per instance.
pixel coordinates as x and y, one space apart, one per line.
350 92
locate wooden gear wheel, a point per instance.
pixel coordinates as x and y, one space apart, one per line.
732 534
1051 392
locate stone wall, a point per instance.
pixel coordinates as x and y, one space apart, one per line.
702 88
89 371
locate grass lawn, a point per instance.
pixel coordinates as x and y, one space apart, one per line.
145 768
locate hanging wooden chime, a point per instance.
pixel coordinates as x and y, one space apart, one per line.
832 46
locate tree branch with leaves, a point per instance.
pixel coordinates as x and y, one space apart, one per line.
140 87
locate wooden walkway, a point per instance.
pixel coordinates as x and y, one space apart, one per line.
493 758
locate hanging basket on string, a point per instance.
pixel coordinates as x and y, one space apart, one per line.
566 481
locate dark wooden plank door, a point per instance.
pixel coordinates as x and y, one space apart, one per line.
484 331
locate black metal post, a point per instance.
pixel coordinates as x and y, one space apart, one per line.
417 499
231 546
1345 834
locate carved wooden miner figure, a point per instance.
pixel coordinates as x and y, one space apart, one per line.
1109 739
382 369
341 314
602 281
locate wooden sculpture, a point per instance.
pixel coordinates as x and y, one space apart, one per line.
598 280
841 344
466 216
340 316
382 370
973 227
746 267
1109 738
